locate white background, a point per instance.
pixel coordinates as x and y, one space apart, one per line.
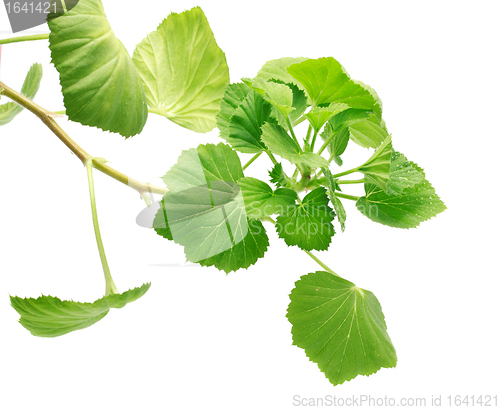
199 339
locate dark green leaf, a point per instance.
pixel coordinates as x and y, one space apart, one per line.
341 327
309 224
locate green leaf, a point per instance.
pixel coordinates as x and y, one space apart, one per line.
276 70
204 210
308 224
377 168
244 253
407 210
317 116
277 175
326 81
100 84
245 124
29 89
346 118
403 174
338 143
279 95
261 201
332 186
341 327
233 97
198 166
369 132
48 316
184 71
280 143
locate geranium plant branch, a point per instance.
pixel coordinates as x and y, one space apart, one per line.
47 118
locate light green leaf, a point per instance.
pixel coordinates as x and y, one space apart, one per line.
308 224
261 201
280 143
30 87
198 166
184 71
332 186
369 132
48 316
299 105
100 84
245 253
377 168
346 118
326 81
341 327
204 210
276 70
317 116
309 159
245 124
403 174
338 143
407 210
233 97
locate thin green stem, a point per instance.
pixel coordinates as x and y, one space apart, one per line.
308 135
47 118
270 154
349 171
321 264
351 197
292 132
326 143
110 284
314 140
352 181
252 160
24 38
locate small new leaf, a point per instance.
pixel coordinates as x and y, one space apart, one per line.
48 316
30 87
341 327
308 224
